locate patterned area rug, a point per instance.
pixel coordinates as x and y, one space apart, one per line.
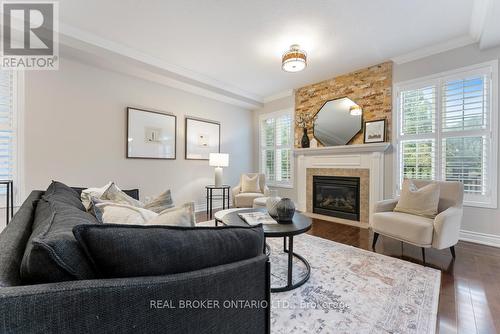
351 291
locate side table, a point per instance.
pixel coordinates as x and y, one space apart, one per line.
210 196
9 209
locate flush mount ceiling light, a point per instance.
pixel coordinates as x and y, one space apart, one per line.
355 110
294 60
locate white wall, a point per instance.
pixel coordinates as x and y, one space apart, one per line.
479 224
75 126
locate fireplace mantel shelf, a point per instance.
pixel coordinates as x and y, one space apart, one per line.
358 148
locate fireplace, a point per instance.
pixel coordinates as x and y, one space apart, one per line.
336 196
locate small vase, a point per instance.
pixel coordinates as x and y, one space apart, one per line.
313 143
285 209
271 203
305 139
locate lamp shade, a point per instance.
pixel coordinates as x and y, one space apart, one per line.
218 159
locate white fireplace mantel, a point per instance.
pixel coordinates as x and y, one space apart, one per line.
358 148
366 156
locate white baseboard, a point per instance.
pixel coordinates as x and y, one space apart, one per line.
480 238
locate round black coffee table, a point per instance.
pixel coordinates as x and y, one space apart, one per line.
300 224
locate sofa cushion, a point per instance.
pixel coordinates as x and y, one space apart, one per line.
13 241
60 192
403 226
131 250
52 253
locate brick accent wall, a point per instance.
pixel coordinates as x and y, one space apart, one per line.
370 88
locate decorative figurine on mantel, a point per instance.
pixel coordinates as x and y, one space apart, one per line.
303 121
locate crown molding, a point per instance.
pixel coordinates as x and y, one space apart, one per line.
434 49
277 96
89 48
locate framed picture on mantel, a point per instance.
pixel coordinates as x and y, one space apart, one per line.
374 131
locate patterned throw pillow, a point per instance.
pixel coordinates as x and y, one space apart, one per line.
250 184
161 203
419 201
113 193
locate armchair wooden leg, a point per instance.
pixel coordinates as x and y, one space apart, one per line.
423 255
452 250
375 237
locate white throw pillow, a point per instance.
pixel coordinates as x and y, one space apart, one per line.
421 202
250 184
88 193
116 213
179 216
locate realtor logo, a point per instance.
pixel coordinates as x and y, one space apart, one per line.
30 35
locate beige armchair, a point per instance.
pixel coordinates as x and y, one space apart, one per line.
440 232
245 200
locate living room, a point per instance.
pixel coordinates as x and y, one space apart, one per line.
251 167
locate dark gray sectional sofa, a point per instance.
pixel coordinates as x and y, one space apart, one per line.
211 299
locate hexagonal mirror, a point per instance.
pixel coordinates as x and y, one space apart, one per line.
337 122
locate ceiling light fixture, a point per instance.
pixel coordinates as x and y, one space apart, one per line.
355 110
294 60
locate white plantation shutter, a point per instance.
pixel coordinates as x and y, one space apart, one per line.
465 123
276 148
445 132
418 116
7 127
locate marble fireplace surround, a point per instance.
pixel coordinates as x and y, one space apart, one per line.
365 161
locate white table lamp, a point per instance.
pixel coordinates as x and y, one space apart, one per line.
218 160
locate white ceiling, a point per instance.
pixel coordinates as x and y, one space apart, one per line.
235 46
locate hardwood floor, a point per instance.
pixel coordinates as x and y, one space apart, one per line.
469 300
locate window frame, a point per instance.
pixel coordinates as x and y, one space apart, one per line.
489 68
276 114
18 105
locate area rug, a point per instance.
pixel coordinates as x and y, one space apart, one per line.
351 291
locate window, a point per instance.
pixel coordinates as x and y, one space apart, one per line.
447 130
9 133
276 148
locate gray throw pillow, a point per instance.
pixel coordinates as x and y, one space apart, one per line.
161 203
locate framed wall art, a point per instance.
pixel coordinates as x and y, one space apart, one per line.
150 134
202 138
374 131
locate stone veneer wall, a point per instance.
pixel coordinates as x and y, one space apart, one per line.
364 187
370 88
